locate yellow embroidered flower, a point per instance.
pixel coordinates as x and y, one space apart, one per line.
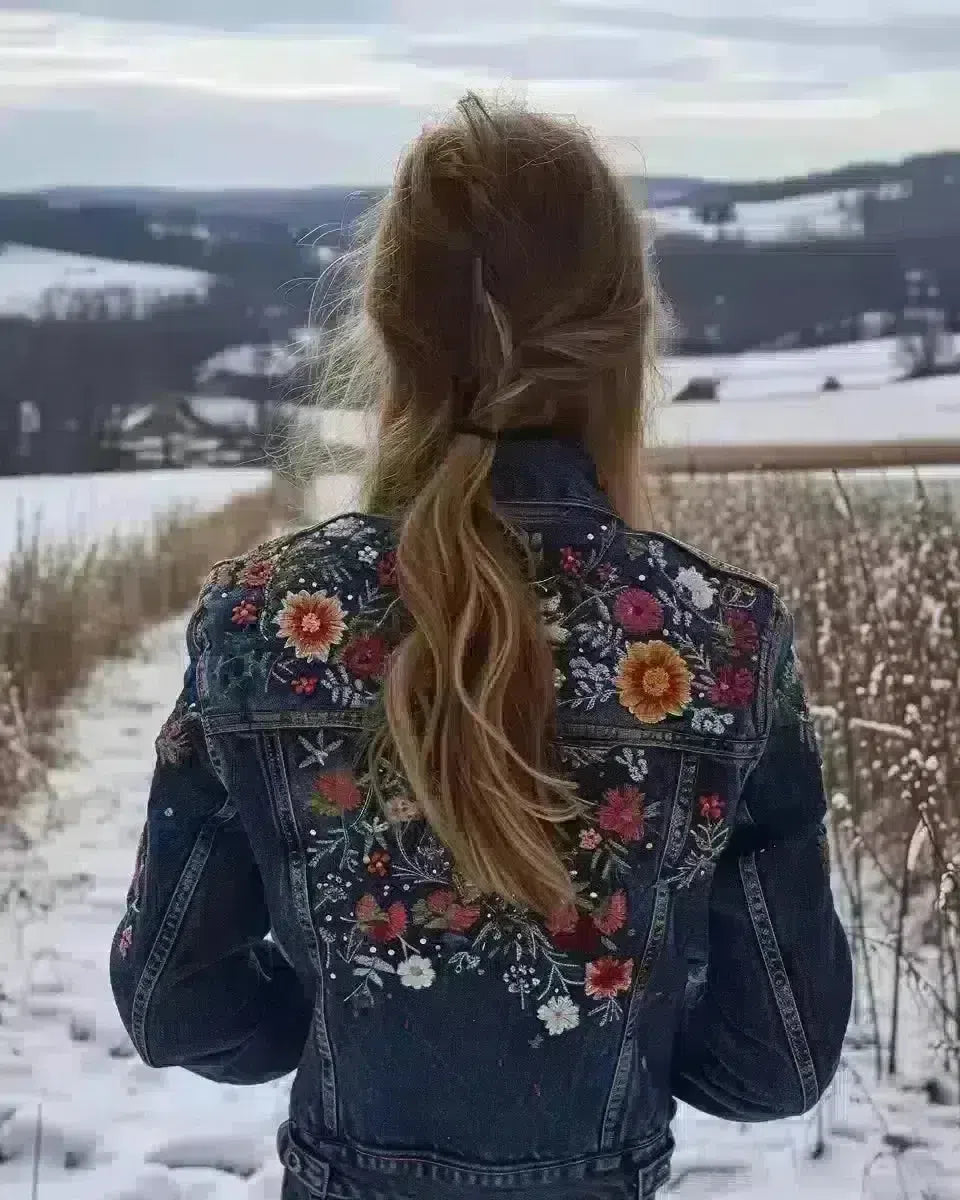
653 682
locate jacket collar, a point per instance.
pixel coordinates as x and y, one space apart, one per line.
545 470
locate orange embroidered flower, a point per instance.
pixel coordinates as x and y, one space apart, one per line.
653 682
311 622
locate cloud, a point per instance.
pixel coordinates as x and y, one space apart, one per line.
223 14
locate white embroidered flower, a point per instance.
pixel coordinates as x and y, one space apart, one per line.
416 972
701 593
559 1014
559 679
368 555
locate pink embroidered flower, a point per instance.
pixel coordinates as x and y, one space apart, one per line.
387 569
607 977
336 792
439 901
304 685
257 574
712 808
245 614
125 941
571 561
311 622
638 611
367 909
366 656
733 687
562 920
623 813
444 905
461 917
743 631
589 839
613 915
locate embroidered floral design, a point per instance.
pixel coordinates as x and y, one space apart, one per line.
380 925
336 793
638 611
608 977
589 839
304 685
400 809
744 636
442 910
174 744
571 561
257 574
312 623
700 593
559 1015
654 682
733 687
245 613
622 813
366 656
416 972
706 840
378 863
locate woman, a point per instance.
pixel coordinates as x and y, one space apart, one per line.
497 821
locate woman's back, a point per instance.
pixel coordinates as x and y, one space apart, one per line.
530 804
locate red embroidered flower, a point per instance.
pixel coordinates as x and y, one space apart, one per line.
589 839
712 808
461 917
381 926
336 792
444 904
378 863
623 813
304 685
392 925
387 569
311 622
257 574
366 656
439 901
638 611
571 561
743 631
613 915
574 932
733 687
606 977
245 613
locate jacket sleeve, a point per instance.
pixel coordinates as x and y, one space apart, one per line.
761 1037
196 980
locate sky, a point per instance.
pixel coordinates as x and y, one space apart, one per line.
291 93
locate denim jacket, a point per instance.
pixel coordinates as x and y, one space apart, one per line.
286 915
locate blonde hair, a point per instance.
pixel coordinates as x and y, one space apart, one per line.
504 282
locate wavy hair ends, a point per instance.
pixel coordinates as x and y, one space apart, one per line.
503 281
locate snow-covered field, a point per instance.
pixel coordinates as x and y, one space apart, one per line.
820 215
114 1129
32 278
776 397
86 508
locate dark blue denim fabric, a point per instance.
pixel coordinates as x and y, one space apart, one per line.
290 911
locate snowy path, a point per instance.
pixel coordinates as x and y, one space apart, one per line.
114 1129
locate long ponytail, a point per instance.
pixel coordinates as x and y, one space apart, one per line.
505 283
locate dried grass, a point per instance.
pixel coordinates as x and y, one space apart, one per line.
870 566
67 607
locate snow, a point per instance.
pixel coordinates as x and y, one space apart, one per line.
86 508
775 397
114 1129
235 412
271 360
30 276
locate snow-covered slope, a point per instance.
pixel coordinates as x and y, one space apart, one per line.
33 280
